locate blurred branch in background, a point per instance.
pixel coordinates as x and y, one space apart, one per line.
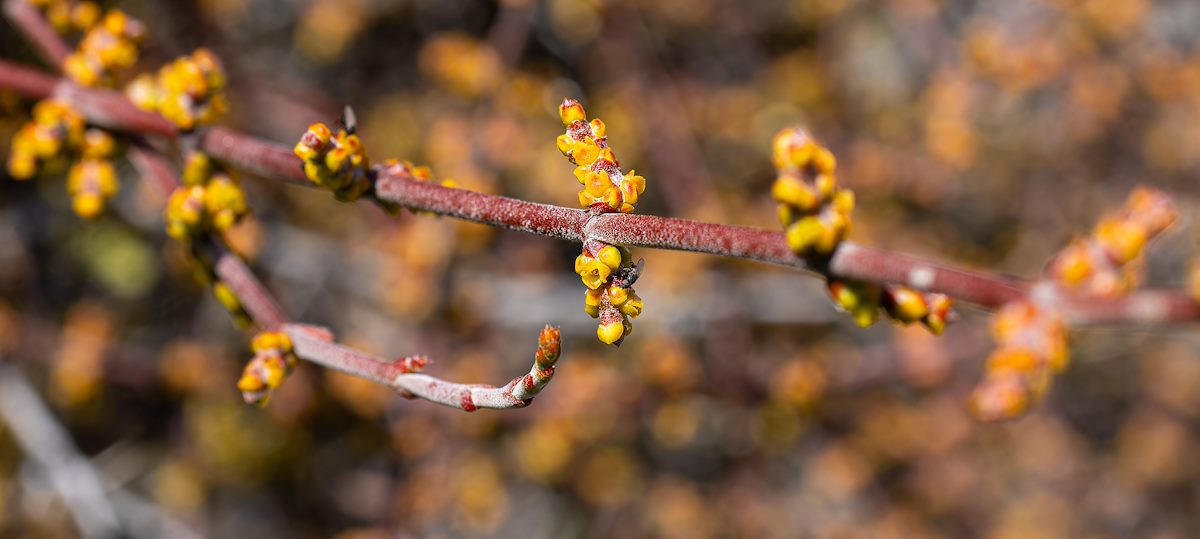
97 512
50 447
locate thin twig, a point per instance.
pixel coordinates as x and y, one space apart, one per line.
48 444
38 31
25 81
49 447
401 376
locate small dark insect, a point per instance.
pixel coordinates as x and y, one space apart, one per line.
349 120
626 276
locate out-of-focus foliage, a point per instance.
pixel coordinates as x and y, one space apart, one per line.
986 133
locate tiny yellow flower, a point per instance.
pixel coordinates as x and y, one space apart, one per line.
337 158
571 111
197 168
313 142
638 182
1073 265
907 305
584 152
804 234
226 297
85 15
793 149
610 332
633 307
1123 239
1000 396
250 383
791 190
610 256
81 70
594 273
823 160
22 166
861 300
612 197
1013 359
843 295
617 295
97 144
825 185
629 194
582 174
598 129
271 340
225 201
87 205
598 183
143 91
843 202
565 144
606 159
939 313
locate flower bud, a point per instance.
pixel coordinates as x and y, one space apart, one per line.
905 304
610 332
570 111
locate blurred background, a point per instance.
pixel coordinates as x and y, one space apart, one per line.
981 133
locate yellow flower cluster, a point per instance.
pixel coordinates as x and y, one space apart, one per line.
54 137
209 198
273 360
1100 263
814 210
905 305
335 162
46 142
1031 337
609 274
92 180
586 145
189 91
69 16
108 46
1031 348
607 270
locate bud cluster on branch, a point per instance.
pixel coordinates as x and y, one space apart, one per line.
608 271
1031 333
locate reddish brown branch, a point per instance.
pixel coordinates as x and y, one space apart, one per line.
25 81
401 374
254 297
851 261
511 213
38 31
153 167
310 345
252 155
111 110
859 262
